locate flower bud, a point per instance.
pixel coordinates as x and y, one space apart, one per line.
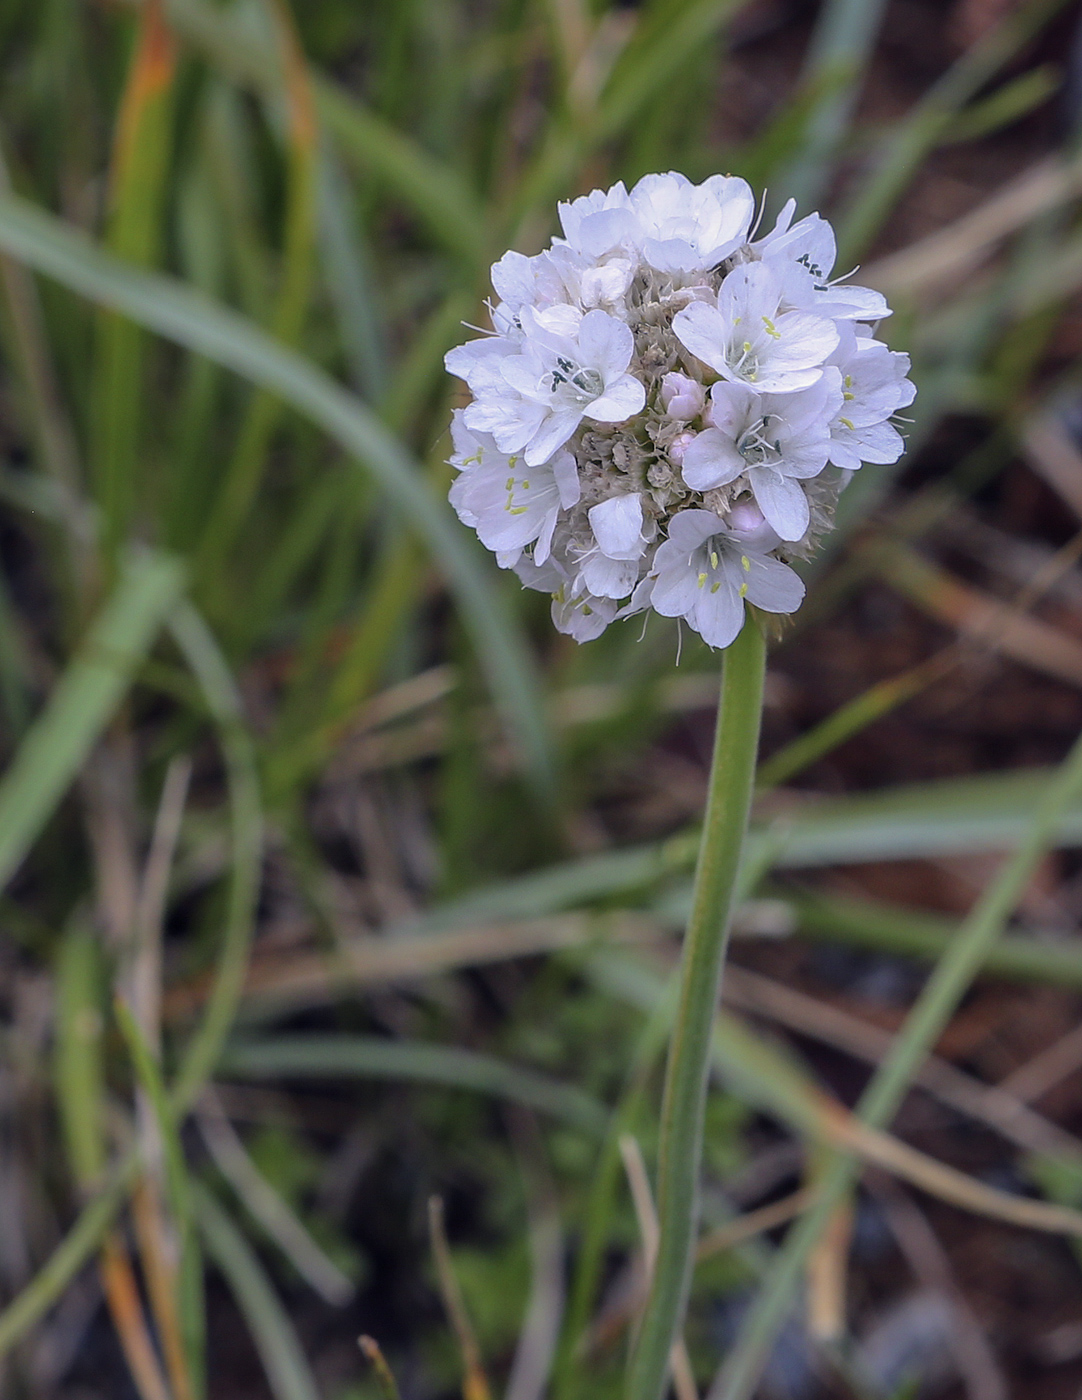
682 397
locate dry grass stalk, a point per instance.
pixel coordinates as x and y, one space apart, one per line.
475 1384
645 1213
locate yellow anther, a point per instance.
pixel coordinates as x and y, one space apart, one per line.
848 424
702 580
771 329
848 381
745 563
715 586
713 559
743 590
847 396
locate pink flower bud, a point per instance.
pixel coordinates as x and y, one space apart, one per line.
745 517
682 397
679 446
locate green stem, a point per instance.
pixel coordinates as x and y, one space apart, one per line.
732 777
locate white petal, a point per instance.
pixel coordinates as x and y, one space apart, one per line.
718 614
565 470
622 399
610 578
551 434
701 329
710 460
605 344
772 585
782 502
617 527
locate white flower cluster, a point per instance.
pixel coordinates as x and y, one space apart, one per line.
667 409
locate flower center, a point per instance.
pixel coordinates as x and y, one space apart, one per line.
743 360
756 444
573 383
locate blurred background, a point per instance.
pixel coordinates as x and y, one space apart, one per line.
336 882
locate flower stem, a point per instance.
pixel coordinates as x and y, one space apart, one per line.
732 777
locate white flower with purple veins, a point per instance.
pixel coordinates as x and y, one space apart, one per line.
802 257
745 336
531 402
874 387
774 441
667 412
705 573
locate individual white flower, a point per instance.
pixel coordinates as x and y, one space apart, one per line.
520 281
531 402
610 569
512 505
686 228
802 257
600 223
582 616
874 386
704 573
747 339
774 440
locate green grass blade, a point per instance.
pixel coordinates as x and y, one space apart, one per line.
246 822
334 1057
915 933
288 1372
71 1254
137 180
78 1061
83 702
168 307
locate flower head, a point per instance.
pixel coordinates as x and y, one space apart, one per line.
666 412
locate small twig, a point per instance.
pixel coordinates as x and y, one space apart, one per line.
755 1222
1034 1079
378 1362
998 1106
158 1248
474 1381
158 1253
639 1183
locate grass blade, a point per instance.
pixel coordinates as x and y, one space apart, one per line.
353 1057
83 702
288 1373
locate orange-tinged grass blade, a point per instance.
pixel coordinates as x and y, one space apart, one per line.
126 1309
